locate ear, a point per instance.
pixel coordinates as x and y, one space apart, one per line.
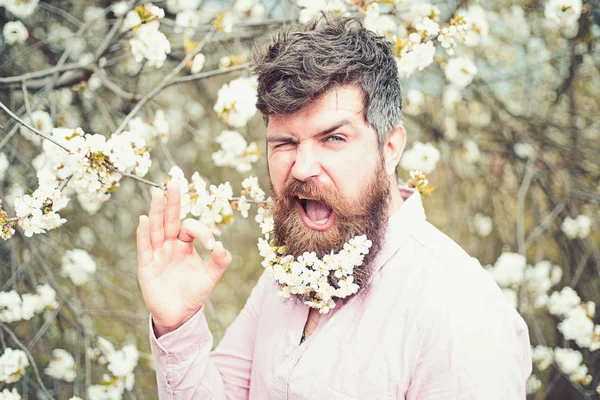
393 148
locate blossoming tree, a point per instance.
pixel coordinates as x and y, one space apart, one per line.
99 104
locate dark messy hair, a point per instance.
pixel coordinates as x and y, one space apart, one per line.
301 64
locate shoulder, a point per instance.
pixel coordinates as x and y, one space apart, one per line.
454 285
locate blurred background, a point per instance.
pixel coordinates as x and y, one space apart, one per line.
501 103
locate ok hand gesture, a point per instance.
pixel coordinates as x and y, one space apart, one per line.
175 280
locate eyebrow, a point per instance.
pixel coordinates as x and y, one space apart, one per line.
283 138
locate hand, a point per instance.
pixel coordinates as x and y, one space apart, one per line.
175 280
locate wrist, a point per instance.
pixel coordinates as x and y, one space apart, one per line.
161 329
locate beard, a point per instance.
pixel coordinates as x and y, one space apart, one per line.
364 215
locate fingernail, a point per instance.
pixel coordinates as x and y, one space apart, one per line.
210 244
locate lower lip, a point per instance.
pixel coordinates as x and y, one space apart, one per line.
310 223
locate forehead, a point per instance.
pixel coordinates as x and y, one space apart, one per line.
339 103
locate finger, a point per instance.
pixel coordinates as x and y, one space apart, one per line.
220 258
144 248
157 231
192 229
172 211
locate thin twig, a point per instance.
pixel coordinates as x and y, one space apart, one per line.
166 80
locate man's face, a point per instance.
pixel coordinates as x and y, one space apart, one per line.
327 175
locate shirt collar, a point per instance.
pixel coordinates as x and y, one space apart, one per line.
400 226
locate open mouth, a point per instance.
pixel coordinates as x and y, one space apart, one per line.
315 214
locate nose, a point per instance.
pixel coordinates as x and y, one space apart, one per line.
306 164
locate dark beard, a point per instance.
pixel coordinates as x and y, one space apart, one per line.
366 215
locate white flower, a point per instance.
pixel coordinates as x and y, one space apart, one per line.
235 151
564 13
132 20
251 186
15 32
243 206
509 269
477 25
21 8
414 102
540 278
150 44
47 297
12 365
119 8
175 6
186 19
40 120
383 25
10 306
482 224
236 101
122 362
62 366
78 265
524 150
561 303
542 356
422 157
569 361
460 71
471 152
578 227
197 63
577 326
93 13
428 27
415 58
533 384
10 395
310 8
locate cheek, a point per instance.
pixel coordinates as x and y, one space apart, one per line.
351 171
280 165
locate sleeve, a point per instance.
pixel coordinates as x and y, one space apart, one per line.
473 347
185 367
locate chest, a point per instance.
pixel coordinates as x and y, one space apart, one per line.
355 353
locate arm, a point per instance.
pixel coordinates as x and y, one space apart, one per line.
185 368
475 348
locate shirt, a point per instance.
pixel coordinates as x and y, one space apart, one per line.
433 324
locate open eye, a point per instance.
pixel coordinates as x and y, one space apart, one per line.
335 138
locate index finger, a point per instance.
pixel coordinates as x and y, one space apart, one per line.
172 211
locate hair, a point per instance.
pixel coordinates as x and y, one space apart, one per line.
301 64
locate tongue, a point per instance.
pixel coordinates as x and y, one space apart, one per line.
317 211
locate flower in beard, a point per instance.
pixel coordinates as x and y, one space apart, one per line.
318 266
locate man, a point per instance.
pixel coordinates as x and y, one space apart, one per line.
427 322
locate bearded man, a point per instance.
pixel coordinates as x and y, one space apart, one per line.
426 322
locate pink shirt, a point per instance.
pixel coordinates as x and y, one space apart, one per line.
433 325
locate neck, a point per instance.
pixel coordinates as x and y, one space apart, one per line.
396 199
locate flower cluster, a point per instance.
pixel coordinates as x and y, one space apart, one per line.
577 323
578 227
318 281
310 8
150 132
148 42
16 308
236 101
120 363
62 366
78 266
235 151
90 167
12 365
418 180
